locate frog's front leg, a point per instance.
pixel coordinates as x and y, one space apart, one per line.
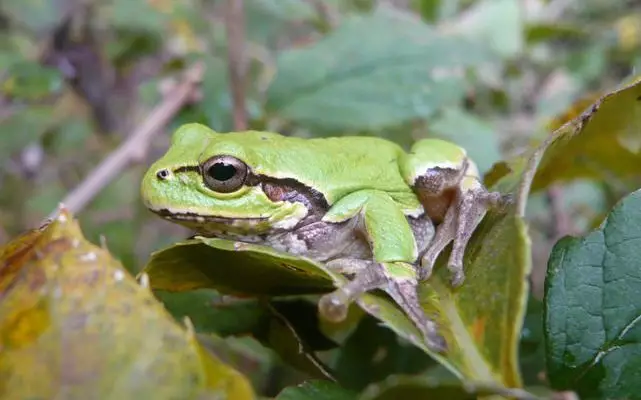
391 268
398 280
465 212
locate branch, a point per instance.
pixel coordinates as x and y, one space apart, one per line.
561 223
135 147
235 24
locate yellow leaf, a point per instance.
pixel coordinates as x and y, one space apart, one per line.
75 325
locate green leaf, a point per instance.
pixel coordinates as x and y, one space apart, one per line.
372 353
429 10
295 339
480 321
137 15
499 23
75 324
210 314
32 122
593 308
187 265
316 390
267 20
372 72
532 346
36 15
541 31
423 387
29 81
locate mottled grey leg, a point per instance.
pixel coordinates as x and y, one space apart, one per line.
473 206
348 265
445 233
460 222
368 275
405 294
471 210
389 277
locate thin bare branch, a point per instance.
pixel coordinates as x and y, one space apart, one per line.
237 65
135 146
560 220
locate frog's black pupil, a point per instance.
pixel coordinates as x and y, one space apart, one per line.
222 172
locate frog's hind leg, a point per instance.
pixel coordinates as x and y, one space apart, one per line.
397 279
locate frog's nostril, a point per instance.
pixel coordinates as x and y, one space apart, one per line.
163 174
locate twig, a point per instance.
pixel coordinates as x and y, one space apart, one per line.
235 24
134 148
561 224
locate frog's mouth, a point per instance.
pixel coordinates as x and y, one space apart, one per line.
193 218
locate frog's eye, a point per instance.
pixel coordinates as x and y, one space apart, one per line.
224 174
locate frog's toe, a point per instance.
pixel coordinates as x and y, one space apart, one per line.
436 342
334 306
457 279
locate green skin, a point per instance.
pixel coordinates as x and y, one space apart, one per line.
361 205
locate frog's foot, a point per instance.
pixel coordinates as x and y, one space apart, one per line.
396 279
404 293
334 306
461 220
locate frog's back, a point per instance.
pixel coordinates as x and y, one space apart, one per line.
335 165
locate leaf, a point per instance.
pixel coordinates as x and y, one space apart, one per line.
36 15
497 22
74 324
372 72
30 81
532 346
485 315
374 352
290 327
32 121
292 341
420 387
593 308
267 20
316 390
138 15
186 266
541 31
481 321
210 314
601 143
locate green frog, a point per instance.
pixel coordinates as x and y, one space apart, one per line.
360 205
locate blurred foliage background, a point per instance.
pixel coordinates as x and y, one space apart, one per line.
78 77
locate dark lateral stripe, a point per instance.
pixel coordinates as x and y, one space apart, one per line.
312 198
187 168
